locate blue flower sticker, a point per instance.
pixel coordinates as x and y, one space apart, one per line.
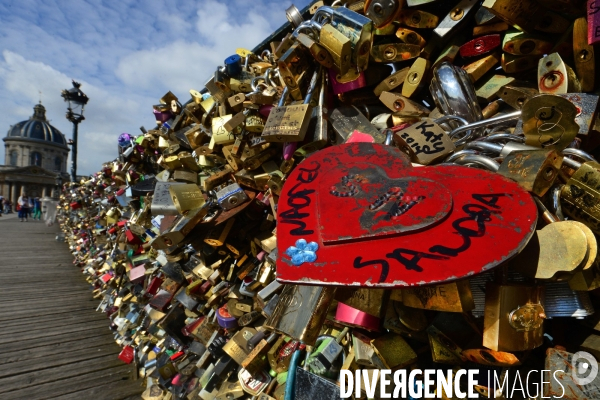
303 252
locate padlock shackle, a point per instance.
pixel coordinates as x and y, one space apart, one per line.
546 214
458 154
447 118
389 136
312 86
556 206
310 28
578 153
283 98
478 159
291 378
569 162
484 146
502 136
482 124
323 12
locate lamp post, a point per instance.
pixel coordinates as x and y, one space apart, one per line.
77 101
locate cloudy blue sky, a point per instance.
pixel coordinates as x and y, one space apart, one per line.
127 54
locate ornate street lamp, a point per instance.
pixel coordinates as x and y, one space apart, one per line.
77 101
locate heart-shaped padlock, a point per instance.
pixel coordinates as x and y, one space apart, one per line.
359 215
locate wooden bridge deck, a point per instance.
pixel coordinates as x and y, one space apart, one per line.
53 344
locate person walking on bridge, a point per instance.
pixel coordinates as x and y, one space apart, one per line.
24 206
37 209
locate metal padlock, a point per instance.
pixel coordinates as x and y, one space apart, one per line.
393 350
524 15
556 77
236 346
326 353
290 123
299 312
356 27
186 197
449 297
549 121
455 98
555 252
318 51
337 45
231 196
514 317
425 141
580 198
318 124
452 21
534 170
292 68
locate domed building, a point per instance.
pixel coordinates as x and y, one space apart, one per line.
35 152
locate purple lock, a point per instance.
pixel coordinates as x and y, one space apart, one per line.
339 88
288 149
124 140
265 110
162 116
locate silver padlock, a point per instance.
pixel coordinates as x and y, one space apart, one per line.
231 196
162 203
454 94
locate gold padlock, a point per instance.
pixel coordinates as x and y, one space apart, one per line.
451 297
514 317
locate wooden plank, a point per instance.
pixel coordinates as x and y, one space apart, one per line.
51 302
114 391
33 311
54 339
61 330
16 382
43 290
76 383
74 296
34 325
67 357
16 356
66 316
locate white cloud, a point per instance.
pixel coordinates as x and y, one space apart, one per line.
107 114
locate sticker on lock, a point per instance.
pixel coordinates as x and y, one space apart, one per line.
359 215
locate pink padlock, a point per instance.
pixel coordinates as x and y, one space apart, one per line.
265 110
339 88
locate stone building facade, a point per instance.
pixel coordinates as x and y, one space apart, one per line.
35 152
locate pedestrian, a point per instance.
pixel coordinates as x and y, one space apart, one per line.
37 209
23 202
1 205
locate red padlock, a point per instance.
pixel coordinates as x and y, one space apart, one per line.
126 355
480 45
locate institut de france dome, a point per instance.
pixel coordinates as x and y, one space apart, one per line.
34 153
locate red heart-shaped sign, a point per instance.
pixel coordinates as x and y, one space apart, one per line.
359 215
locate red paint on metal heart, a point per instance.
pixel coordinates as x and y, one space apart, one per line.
480 45
371 204
379 222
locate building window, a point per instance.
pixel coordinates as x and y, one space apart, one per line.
13 158
36 159
58 164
